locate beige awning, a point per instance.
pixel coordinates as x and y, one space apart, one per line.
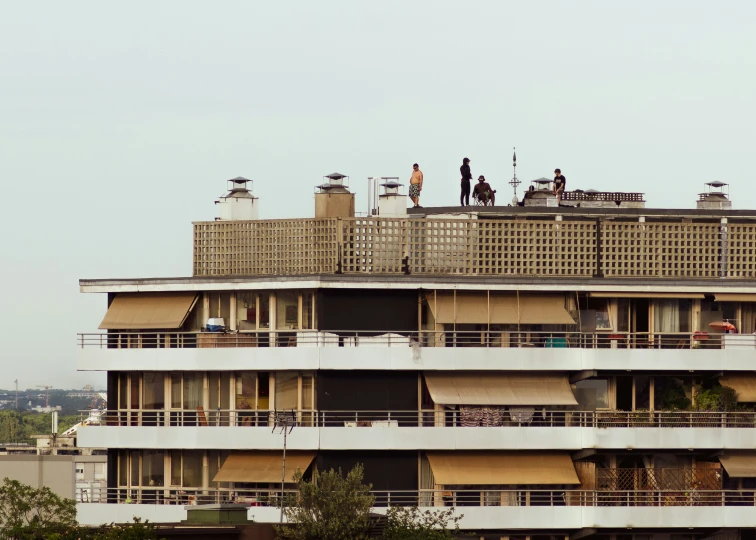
502 468
739 465
543 309
504 309
744 385
262 467
729 297
142 311
696 296
454 388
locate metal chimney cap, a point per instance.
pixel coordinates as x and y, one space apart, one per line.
335 176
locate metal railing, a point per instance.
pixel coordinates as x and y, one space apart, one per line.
426 498
465 417
610 196
424 338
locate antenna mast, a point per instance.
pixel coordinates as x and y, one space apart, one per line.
514 182
285 421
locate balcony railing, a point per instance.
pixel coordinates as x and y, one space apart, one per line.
428 498
425 418
424 338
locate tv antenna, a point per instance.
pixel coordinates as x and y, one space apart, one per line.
283 422
514 182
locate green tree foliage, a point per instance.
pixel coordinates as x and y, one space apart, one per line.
137 530
412 523
331 507
21 426
28 513
717 398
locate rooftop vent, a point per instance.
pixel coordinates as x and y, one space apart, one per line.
238 203
541 193
716 197
333 198
391 203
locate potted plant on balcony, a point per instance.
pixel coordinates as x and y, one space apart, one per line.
641 418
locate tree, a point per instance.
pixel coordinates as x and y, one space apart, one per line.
411 523
330 507
127 531
27 512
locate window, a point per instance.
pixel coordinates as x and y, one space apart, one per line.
672 315
592 394
152 468
287 309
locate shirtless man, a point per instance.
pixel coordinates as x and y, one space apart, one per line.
416 185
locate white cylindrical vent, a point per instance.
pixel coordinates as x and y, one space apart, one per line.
239 204
391 203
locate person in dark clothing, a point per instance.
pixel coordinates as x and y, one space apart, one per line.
464 197
560 183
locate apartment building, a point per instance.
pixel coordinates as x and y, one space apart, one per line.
573 370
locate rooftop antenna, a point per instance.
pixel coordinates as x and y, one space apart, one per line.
283 422
514 182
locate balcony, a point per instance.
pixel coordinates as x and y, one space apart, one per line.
482 509
312 350
390 430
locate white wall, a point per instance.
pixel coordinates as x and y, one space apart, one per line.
487 517
408 358
424 438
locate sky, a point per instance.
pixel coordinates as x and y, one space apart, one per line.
121 122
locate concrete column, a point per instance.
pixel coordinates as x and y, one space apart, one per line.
232 315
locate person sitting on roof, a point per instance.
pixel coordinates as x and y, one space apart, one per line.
483 192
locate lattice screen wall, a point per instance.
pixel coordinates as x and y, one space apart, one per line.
474 247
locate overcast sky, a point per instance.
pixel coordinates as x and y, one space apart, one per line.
120 122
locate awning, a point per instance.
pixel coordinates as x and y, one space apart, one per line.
504 309
729 297
695 296
543 310
141 311
262 467
499 389
502 468
739 465
744 385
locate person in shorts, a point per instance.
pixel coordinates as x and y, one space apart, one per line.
416 185
560 183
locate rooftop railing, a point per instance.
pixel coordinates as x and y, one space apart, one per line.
423 338
428 498
581 247
608 196
465 417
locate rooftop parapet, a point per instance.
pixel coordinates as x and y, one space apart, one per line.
524 244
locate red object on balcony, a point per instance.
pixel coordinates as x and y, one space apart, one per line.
700 336
616 336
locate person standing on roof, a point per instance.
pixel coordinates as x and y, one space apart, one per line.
416 185
464 197
560 182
